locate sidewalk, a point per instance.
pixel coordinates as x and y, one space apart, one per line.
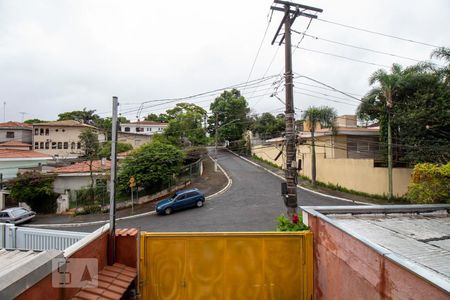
209 183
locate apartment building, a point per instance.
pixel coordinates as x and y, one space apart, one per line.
61 138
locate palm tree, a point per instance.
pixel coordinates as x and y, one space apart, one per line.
325 116
379 101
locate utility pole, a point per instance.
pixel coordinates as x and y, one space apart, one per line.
216 134
113 184
291 12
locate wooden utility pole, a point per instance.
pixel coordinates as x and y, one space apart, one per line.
113 185
291 12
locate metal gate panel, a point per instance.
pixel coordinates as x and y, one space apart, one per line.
252 265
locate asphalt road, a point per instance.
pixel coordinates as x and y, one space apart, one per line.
251 204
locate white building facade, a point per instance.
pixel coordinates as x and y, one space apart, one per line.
143 127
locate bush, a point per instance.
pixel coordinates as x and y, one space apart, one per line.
296 224
36 190
430 183
90 209
88 196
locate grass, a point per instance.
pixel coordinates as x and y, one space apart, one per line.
266 161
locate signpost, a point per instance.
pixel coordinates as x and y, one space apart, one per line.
132 184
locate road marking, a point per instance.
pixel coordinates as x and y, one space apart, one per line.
299 186
229 183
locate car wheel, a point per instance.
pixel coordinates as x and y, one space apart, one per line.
199 203
168 211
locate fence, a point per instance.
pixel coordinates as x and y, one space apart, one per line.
224 265
14 237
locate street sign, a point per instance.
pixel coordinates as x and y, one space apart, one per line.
132 182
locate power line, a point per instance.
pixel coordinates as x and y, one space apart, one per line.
324 88
323 94
326 99
355 47
379 33
343 57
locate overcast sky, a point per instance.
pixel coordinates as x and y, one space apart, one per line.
58 56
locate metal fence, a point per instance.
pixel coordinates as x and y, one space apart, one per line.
14 237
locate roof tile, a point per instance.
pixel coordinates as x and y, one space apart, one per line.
14 153
83 167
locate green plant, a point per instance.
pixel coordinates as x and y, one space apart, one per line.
90 209
295 224
36 190
255 157
430 183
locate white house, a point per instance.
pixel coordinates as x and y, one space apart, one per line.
143 127
12 159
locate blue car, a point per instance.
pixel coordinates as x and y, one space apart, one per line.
180 200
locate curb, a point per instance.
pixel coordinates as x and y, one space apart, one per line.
223 190
299 186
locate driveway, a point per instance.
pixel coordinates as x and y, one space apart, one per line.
251 204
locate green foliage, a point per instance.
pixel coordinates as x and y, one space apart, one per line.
153 165
420 111
90 196
84 116
34 121
186 125
163 118
267 162
269 126
232 121
105 150
323 115
193 154
90 209
284 224
36 190
430 183
89 144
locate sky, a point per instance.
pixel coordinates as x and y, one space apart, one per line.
65 55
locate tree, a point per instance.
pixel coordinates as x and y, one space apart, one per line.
36 190
325 116
152 165
383 96
105 150
186 125
230 109
34 121
268 126
91 148
163 118
83 116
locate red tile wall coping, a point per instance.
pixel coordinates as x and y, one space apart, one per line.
346 268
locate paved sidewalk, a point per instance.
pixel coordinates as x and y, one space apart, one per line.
210 183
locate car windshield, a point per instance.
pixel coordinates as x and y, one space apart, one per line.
18 212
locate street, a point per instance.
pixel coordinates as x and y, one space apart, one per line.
251 204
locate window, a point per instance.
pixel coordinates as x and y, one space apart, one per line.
36 131
63 130
36 145
78 145
10 134
41 145
139 129
47 131
47 145
72 145
362 146
66 145
59 145
181 197
53 145
41 131
127 129
56 130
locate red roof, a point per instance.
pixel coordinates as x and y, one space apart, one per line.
83 167
15 144
15 125
13 153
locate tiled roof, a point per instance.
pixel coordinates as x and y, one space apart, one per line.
83 167
18 125
113 281
124 154
66 123
15 144
126 232
13 153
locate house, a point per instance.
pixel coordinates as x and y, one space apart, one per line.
77 176
61 138
13 159
348 157
15 131
15 145
134 139
143 127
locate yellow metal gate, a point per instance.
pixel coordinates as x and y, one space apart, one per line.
248 265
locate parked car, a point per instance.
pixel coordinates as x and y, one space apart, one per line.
180 200
16 215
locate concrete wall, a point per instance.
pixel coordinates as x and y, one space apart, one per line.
21 135
356 174
346 268
9 168
63 183
135 140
